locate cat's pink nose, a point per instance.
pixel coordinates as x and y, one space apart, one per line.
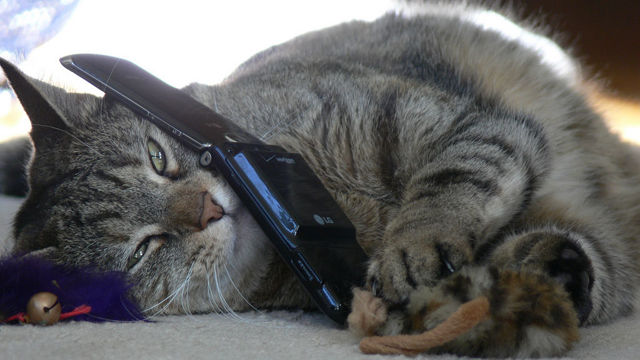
210 210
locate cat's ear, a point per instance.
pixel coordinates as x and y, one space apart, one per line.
36 98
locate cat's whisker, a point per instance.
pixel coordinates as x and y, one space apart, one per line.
126 308
184 293
212 296
208 283
214 303
164 302
238 290
129 311
169 299
223 301
69 134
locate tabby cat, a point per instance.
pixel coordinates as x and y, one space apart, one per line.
449 136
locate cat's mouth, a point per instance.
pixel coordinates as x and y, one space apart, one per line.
210 210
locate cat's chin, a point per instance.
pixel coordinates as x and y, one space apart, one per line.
267 282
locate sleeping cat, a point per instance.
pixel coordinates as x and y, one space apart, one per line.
449 136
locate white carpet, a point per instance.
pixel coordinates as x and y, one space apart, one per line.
269 335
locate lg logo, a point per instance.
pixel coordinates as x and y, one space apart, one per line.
322 220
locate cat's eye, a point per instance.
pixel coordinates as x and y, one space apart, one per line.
138 254
156 156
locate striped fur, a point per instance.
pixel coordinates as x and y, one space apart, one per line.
530 315
448 141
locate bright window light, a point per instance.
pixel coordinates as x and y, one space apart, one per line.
183 41
188 40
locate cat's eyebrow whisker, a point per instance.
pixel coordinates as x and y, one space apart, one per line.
280 125
268 134
108 80
102 101
69 134
271 132
215 100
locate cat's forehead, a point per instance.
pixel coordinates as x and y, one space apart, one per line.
115 138
113 127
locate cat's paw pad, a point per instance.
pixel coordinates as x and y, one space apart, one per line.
572 269
561 258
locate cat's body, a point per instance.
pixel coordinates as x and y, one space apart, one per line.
445 142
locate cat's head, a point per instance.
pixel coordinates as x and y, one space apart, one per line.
111 190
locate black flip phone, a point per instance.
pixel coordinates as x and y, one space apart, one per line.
308 229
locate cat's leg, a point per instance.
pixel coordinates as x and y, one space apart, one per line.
591 258
470 183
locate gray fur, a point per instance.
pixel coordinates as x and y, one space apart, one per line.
445 143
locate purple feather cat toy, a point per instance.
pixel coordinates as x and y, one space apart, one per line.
105 293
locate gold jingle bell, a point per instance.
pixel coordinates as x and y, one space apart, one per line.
43 309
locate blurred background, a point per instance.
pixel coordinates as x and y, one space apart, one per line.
204 41
605 36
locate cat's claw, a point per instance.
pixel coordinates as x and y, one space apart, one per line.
399 269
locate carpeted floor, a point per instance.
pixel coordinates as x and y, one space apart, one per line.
268 335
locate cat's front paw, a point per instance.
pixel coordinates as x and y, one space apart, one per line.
553 253
571 267
406 262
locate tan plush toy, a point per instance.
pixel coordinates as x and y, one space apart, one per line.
475 312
